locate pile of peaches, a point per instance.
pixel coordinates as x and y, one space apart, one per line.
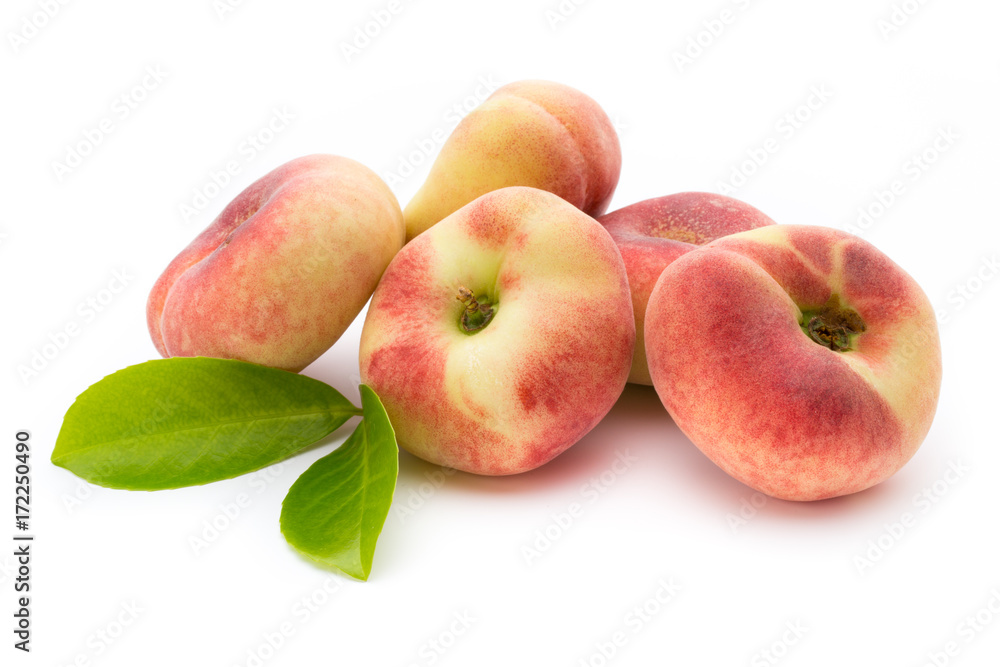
508 311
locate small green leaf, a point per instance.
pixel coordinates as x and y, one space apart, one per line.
334 512
183 421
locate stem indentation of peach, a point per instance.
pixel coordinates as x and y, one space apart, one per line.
833 325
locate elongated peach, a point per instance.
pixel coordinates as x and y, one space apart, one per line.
531 133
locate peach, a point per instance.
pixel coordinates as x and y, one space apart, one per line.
283 270
531 133
652 233
801 360
502 335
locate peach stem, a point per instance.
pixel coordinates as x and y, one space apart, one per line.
476 315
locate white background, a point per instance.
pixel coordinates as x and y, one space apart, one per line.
672 515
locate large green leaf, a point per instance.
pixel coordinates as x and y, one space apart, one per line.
183 421
334 512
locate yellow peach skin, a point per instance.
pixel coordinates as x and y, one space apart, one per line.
530 133
550 343
283 270
801 360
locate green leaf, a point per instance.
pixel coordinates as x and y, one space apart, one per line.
334 512
183 421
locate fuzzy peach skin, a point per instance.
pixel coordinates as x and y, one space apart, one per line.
784 411
283 270
532 133
540 374
652 233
